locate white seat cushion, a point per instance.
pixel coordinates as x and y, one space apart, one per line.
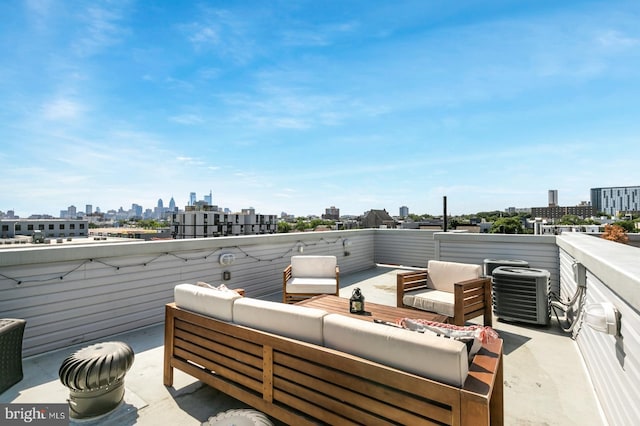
207 301
312 285
443 275
440 302
296 322
313 266
443 360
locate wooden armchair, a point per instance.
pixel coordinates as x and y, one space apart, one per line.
457 290
308 276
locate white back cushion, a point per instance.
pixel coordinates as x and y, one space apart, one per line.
442 275
444 360
296 322
313 266
207 301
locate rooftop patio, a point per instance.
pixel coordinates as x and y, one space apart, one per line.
549 378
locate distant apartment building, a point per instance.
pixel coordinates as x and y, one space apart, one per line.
51 228
518 210
332 213
615 199
202 221
583 211
553 198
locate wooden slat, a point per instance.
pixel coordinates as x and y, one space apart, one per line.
240 393
230 352
190 352
267 374
331 409
477 291
345 401
221 337
224 370
285 366
340 361
313 410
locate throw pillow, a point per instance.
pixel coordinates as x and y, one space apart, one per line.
472 336
221 287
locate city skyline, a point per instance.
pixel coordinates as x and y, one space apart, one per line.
191 200
298 107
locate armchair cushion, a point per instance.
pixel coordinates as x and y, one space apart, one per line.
443 275
314 267
312 285
440 302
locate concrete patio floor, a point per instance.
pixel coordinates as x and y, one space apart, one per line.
545 379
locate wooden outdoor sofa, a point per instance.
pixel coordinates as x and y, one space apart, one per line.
303 383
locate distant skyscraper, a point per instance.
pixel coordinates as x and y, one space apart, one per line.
404 211
159 210
88 209
136 210
209 198
192 199
553 197
172 205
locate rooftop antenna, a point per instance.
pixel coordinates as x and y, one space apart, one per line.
444 215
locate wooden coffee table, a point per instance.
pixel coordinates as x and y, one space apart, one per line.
340 305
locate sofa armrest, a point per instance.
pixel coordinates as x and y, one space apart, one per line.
472 298
412 280
286 276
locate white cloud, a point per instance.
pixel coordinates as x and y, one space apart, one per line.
616 40
102 28
187 119
202 35
62 109
190 161
318 36
222 32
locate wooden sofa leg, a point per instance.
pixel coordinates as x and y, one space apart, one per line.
169 325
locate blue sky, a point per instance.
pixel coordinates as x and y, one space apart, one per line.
299 106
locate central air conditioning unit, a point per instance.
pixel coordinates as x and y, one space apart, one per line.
491 264
522 294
